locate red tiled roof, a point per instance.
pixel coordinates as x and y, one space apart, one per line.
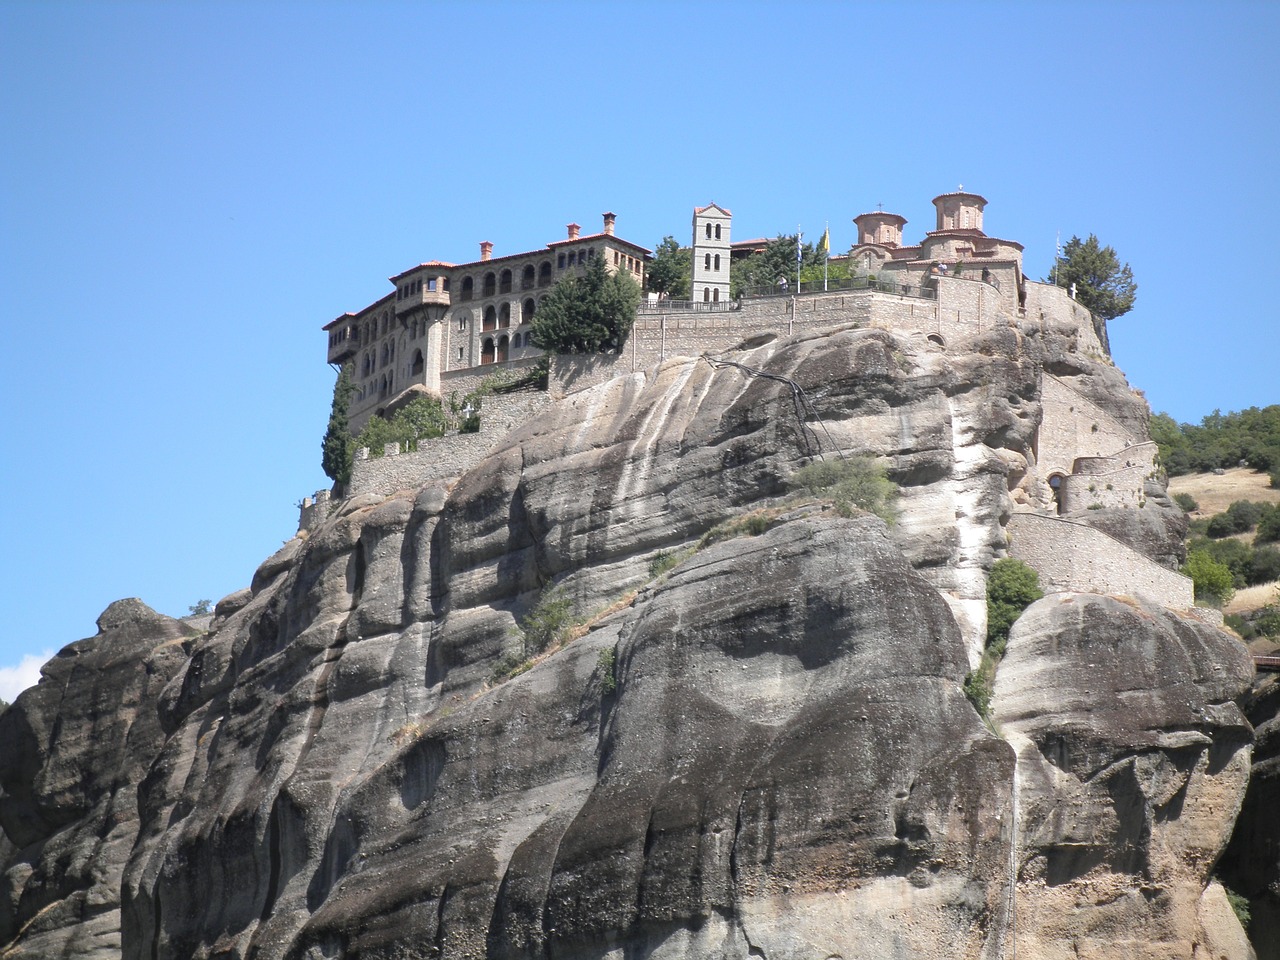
709 206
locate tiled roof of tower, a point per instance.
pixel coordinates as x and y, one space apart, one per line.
709 206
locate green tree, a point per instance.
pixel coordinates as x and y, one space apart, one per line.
1213 582
200 608
588 314
1103 284
1012 586
670 270
338 448
762 270
422 418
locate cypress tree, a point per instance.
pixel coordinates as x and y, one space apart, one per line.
338 447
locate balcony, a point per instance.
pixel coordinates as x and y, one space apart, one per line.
422 298
343 348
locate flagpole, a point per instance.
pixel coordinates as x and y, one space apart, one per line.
799 258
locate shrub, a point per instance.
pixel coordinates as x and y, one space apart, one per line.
1186 502
666 560
608 681
1269 527
1012 586
1263 566
859 481
1267 621
1213 581
748 525
548 621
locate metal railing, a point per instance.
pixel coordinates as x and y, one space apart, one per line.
690 306
844 283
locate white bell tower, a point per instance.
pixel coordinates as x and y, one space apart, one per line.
711 254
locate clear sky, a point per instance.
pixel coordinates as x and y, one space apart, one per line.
189 191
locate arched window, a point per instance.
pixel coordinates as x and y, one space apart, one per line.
526 312
706 261
706 294
504 315
468 288
715 295
504 282
490 319
708 231
544 274
527 278
717 231
717 263
490 284
463 317
504 348
417 366
487 351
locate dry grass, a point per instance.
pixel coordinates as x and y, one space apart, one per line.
1252 598
1214 492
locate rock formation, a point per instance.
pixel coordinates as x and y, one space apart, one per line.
766 751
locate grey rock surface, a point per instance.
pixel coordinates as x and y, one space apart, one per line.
766 752
1133 759
72 752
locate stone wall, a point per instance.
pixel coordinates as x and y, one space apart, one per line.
313 510
1070 556
448 456
1115 481
1073 426
468 380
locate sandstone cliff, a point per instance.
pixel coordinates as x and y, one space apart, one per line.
764 752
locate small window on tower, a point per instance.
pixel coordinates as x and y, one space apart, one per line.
717 231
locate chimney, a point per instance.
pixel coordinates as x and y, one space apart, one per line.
609 220
573 231
486 249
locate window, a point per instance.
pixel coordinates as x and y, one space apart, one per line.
460 357
717 231
526 313
706 261
504 315
527 278
615 258
560 261
715 295
706 294
504 350
490 284
462 320
490 319
544 274
487 351
717 263
431 284
468 288
416 368
708 231
446 284
504 282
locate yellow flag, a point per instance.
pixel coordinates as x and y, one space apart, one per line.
824 245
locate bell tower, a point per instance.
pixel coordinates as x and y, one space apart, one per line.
710 275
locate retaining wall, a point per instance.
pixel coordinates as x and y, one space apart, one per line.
448 456
1071 556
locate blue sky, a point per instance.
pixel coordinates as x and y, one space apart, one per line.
189 191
